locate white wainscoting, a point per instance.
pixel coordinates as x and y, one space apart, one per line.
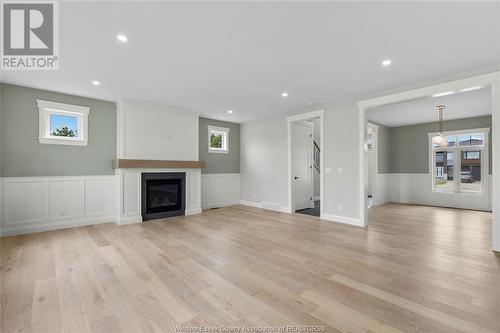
32 204
219 190
416 189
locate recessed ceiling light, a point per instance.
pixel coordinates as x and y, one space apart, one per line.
386 62
96 83
284 94
122 38
470 88
229 111
444 93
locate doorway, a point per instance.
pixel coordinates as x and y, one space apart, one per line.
305 142
371 163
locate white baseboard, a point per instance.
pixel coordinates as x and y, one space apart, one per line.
20 229
219 204
266 205
342 219
193 211
129 219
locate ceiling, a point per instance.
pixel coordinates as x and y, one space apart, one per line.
462 105
212 57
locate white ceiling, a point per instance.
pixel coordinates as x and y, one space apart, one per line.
462 105
211 57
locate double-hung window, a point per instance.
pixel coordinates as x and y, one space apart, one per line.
62 124
462 166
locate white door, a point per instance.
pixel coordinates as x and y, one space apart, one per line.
302 185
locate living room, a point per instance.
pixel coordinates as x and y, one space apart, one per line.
259 166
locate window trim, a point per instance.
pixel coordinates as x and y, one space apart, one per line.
225 139
457 165
48 108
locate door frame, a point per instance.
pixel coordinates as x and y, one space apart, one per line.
374 129
301 117
492 80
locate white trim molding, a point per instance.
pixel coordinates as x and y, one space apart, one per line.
342 219
48 108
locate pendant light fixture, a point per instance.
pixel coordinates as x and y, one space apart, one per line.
439 139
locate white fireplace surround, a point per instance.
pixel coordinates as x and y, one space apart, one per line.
130 193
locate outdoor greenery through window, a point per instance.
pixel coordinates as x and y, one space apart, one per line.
61 125
459 167
218 139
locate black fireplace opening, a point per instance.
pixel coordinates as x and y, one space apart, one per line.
163 194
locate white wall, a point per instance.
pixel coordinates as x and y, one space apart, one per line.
264 178
152 131
32 204
263 162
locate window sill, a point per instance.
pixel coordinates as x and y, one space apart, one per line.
459 193
53 141
218 151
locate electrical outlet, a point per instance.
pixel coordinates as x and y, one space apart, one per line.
328 170
340 171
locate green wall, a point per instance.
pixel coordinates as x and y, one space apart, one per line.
220 163
405 149
24 156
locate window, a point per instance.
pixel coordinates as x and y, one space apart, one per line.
218 139
63 124
459 168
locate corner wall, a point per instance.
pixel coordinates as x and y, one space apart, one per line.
220 180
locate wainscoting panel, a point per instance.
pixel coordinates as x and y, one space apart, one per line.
416 189
218 190
32 204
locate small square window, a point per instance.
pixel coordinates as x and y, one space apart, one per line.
218 139
63 124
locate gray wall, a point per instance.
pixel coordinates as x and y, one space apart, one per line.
220 163
23 155
405 149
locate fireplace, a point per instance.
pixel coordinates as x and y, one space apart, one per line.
163 194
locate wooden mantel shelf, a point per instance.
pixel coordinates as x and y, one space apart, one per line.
160 164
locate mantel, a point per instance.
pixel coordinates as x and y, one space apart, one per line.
156 164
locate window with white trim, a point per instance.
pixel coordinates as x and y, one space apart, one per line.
62 124
462 166
218 139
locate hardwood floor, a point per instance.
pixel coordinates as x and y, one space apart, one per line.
414 269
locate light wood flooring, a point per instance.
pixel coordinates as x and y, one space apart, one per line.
414 269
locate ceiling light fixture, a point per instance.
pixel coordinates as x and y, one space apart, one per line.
96 83
284 94
122 38
446 93
471 88
439 139
230 111
386 62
